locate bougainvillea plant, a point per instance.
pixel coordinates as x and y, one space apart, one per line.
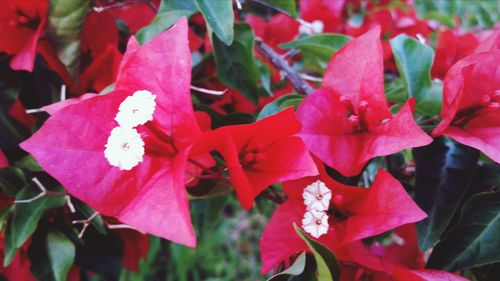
326 140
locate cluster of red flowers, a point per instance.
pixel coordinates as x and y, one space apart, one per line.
343 124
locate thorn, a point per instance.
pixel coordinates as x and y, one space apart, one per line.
70 204
206 91
123 226
38 196
238 4
310 77
35 110
63 92
305 23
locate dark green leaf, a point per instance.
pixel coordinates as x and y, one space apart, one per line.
160 23
11 180
414 61
444 170
220 18
235 63
29 163
61 253
25 217
328 266
475 240
287 6
12 131
219 120
65 22
280 104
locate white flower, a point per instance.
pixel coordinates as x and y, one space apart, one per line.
317 196
314 27
124 148
136 109
315 223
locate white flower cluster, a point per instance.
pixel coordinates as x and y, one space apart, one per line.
125 147
314 27
317 198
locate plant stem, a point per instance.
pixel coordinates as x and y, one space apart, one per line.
301 86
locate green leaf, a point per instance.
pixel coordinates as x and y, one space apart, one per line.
29 163
303 268
444 171
65 23
475 240
219 16
178 5
280 104
25 217
317 50
235 63
160 23
328 267
329 43
287 6
61 253
414 61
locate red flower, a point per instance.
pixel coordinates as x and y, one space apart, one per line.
259 154
21 24
451 47
347 122
471 103
72 143
354 213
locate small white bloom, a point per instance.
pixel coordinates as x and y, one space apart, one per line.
124 148
136 109
315 223
317 196
314 27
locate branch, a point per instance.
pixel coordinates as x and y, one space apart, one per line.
44 192
86 223
278 61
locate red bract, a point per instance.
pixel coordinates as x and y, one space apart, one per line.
401 260
99 31
135 248
102 71
278 29
451 47
392 23
19 268
3 160
326 13
355 213
21 24
259 154
347 122
151 196
471 103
